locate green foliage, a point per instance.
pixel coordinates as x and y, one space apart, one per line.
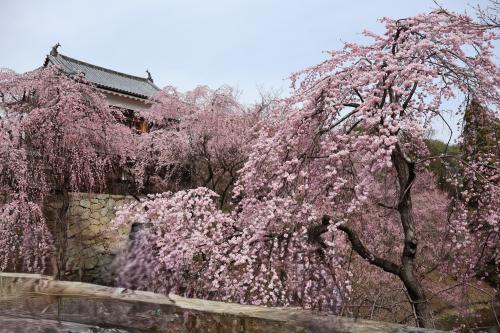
442 166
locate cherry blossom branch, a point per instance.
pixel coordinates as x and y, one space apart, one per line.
410 96
360 249
441 156
338 122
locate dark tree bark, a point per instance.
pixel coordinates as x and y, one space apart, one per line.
62 236
406 271
406 175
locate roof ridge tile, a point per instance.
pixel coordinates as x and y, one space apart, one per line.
103 68
106 78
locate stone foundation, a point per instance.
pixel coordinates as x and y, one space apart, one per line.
91 240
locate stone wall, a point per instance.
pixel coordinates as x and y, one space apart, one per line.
39 297
91 240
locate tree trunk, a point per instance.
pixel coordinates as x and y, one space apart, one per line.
406 270
62 237
406 175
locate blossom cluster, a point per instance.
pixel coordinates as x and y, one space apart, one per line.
345 152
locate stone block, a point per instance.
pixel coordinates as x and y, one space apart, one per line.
84 222
105 220
104 211
91 231
75 210
111 203
85 214
96 206
85 203
96 215
73 231
79 211
99 248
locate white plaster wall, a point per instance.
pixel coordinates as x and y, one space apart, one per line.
126 103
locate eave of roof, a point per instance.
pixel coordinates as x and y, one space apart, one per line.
105 78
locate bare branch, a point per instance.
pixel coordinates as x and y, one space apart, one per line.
410 96
360 249
338 122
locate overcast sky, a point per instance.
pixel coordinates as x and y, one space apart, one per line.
249 44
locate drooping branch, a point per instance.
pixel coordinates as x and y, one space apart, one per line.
360 249
356 244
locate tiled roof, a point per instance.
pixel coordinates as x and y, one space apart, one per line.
105 78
